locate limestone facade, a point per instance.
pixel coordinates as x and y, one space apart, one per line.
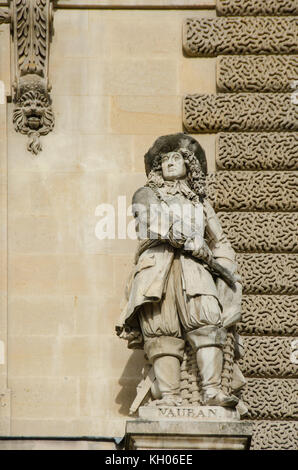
119 78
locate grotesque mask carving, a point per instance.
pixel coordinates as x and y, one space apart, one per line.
32 29
33 115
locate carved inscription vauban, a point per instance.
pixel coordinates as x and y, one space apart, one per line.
256 73
215 36
32 29
256 7
187 412
240 112
257 151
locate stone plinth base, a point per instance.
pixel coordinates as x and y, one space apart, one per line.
182 428
72 443
189 412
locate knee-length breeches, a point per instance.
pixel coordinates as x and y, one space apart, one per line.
176 317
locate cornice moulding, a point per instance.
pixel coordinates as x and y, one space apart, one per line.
136 4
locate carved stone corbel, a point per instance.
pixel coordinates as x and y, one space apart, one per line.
32 27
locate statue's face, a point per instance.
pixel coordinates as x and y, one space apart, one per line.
173 166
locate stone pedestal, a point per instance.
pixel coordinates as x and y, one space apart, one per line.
187 428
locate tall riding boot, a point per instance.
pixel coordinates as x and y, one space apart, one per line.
167 373
210 363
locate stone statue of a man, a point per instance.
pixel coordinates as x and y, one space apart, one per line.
184 285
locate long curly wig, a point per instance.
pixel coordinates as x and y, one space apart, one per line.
195 176
194 157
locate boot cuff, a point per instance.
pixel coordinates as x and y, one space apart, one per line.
164 346
207 336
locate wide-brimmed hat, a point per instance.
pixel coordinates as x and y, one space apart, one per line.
172 143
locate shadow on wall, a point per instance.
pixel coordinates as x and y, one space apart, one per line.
129 380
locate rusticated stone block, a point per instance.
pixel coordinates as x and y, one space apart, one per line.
263 35
268 273
256 7
268 356
240 112
261 232
271 398
256 73
274 435
257 151
253 191
269 315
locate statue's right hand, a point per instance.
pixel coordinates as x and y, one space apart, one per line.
195 244
189 245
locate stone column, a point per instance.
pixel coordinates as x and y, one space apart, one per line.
187 428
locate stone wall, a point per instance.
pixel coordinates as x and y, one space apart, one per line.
118 78
252 190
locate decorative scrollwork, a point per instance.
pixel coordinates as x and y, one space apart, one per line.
33 114
31 31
